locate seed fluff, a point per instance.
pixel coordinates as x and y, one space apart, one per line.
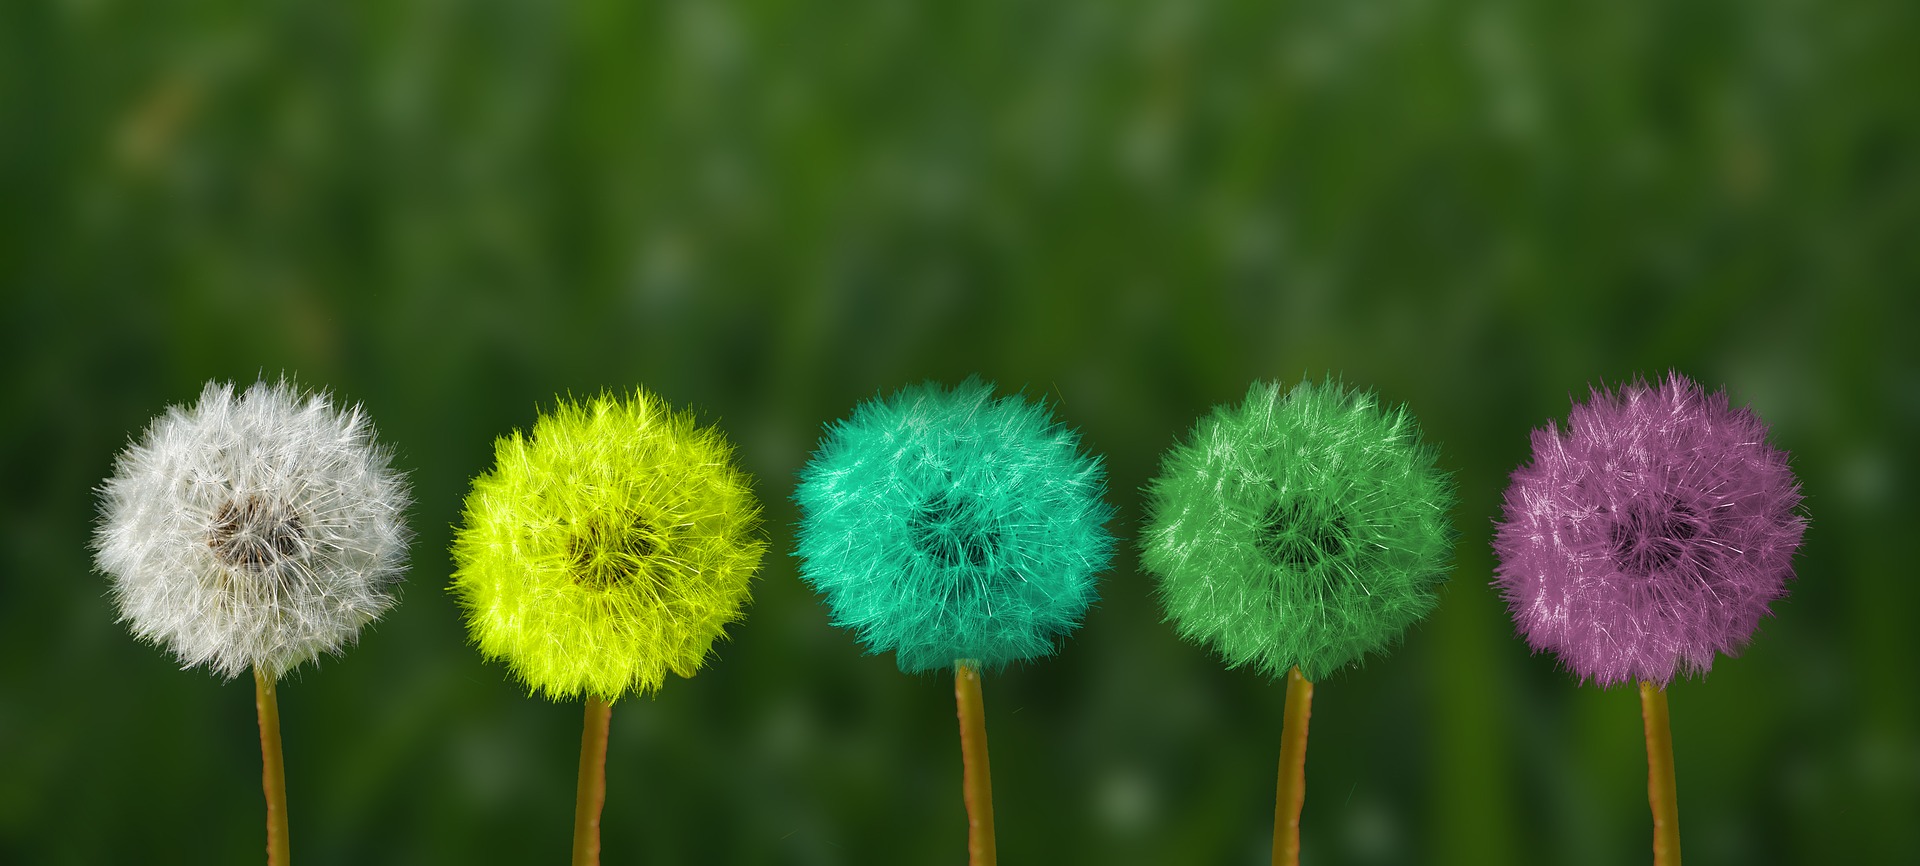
253 530
1651 533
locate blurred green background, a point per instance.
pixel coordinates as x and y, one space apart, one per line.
769 211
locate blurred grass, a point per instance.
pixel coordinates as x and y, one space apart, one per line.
769 211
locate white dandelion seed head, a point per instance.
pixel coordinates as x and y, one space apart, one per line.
253 530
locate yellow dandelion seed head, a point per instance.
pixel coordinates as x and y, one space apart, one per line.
611 546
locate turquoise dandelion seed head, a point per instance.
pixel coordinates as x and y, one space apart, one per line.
1302 528
950 525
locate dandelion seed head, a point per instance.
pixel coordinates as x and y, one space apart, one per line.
1651 533
948 524
1299 528
253 529
607 549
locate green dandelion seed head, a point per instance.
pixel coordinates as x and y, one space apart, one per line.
609 547
948 525
1302 528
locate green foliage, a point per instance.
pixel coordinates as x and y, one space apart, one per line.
606 549
1307 529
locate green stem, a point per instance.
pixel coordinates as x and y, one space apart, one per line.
273 773
1662 794
1292 796
591 794
976 779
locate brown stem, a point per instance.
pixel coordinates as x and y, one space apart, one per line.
591 796
1662 794
273 772
1292 796
976 780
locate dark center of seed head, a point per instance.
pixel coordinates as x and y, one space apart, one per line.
253 534
1297 536
1649 537
606 555
952 533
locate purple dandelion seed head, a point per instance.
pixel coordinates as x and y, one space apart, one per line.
1650 534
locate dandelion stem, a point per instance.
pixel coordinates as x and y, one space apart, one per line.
1661 792
273 773
1292 795
592 793
976 780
